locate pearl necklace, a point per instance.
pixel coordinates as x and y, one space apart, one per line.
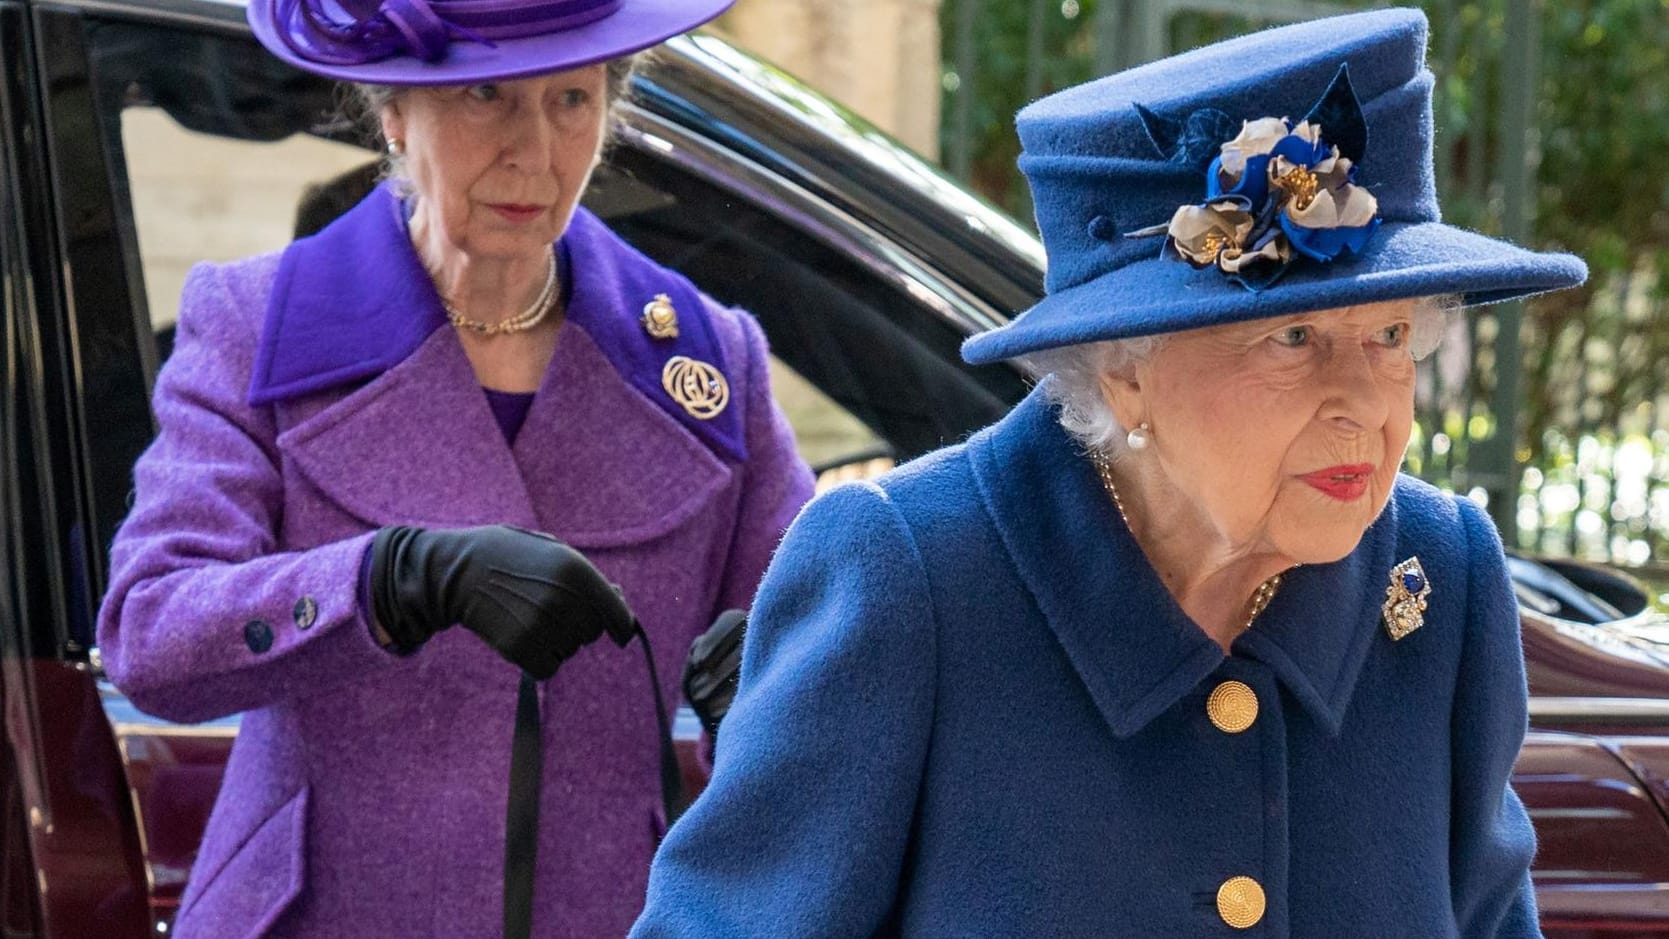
1260 597
521 322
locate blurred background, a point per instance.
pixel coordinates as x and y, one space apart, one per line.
1553 130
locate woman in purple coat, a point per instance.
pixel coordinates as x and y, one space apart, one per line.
407 471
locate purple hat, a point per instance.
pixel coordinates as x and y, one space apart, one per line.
460 42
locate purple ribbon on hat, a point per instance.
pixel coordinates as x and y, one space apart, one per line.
359 33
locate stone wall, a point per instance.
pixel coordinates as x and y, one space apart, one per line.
878 57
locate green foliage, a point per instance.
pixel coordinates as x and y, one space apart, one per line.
1002 72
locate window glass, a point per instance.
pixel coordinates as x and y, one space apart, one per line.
205 197
826 434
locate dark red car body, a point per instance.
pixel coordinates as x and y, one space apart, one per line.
866 267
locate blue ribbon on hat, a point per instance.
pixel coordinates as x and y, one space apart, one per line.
1197 141
1190 142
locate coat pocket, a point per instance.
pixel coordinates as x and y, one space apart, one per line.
256 883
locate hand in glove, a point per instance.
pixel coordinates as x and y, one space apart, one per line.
535 600
711 670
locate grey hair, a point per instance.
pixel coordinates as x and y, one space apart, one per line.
368 102
1072 375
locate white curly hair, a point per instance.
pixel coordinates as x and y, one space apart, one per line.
1071 375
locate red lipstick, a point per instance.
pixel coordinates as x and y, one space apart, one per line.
517 213
1345 483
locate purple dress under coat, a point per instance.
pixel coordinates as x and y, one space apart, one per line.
365 795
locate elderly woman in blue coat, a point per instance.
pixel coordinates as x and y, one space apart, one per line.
1172 650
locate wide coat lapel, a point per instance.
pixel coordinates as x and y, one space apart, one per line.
1132 645
610 464
417 442
610 468
417 445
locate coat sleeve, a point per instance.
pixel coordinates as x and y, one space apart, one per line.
803 829
1492 841
204 615
776 482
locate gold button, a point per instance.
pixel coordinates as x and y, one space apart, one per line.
1232 707
1240 902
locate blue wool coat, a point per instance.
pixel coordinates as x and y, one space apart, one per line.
968 707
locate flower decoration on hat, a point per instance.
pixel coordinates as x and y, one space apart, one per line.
1277 191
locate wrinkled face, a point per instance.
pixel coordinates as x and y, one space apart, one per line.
1282 434
499 167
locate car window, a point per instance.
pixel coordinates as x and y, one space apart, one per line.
837 445
209 197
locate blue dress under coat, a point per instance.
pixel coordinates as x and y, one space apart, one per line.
969 708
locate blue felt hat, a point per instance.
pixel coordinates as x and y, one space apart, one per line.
1128 178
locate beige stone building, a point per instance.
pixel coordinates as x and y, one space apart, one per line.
878 57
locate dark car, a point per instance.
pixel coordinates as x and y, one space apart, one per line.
138 137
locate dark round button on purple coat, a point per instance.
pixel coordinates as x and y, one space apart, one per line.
257 635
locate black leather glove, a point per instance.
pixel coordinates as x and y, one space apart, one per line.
535 600
711 670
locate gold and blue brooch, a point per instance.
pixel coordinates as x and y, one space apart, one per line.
1405 598
1276 191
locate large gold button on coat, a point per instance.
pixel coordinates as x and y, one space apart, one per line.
1232 707
1240 902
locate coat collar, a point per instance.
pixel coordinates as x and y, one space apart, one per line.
338 316
416 445
599 463
354 301
1134 648
596 464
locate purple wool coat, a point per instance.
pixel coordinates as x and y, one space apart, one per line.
316 396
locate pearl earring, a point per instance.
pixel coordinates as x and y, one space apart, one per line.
1140 437
396 147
